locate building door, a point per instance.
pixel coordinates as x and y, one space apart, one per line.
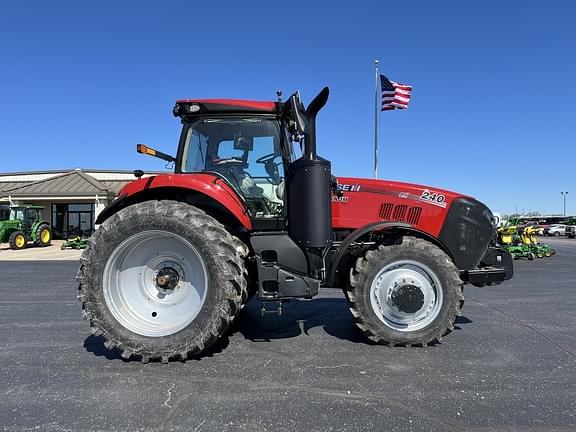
72 219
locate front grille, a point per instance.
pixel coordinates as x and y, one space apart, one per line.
400 213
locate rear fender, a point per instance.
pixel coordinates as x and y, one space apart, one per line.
206 191
33 230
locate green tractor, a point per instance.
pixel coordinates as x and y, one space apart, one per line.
24 225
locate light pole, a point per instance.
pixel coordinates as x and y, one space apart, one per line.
564 194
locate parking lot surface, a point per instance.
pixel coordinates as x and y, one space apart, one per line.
49 253
510 365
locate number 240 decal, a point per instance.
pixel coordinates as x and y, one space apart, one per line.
434 198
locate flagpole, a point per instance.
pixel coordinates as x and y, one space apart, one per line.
376 79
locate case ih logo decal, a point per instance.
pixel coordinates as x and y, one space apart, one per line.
433 198
348 187
342 187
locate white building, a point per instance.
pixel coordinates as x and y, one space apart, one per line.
72 199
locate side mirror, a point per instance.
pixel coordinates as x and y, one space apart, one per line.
298 112
144 149
242 143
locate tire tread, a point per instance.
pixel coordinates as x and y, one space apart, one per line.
358 283
229 250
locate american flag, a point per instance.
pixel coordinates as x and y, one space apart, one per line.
394 95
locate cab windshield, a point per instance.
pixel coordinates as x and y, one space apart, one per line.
22 214
17 214
246 151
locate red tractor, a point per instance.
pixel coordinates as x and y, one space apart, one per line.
251 209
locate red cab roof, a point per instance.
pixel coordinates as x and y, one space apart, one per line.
230 104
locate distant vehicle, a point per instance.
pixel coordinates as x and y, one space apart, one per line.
555 230
25 225
570 231
541 221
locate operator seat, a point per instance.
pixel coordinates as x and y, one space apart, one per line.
280 190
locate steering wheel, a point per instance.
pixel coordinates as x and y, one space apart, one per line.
267 158
223 162
271 167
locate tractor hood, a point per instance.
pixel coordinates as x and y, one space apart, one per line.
365 201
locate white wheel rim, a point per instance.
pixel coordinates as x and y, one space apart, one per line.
132 292
406 295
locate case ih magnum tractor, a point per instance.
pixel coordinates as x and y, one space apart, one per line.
178 255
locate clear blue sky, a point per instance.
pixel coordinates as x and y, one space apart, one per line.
492 113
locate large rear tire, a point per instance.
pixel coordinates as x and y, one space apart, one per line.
406 294
161 280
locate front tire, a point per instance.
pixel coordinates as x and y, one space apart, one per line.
406 294
161 280
17 240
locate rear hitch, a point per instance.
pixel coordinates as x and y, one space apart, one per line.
277 310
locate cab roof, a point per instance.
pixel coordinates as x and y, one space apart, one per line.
191 107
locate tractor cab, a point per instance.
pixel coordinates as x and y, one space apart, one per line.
27 214
249 152
251 146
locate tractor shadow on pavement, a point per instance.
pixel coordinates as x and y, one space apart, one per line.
303 318
300 318
95 345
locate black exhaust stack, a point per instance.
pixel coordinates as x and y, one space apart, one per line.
308 186
310 131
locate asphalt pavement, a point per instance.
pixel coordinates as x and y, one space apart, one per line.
31 253
510 365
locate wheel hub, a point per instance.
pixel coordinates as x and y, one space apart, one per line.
408 298
167 278
406 295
